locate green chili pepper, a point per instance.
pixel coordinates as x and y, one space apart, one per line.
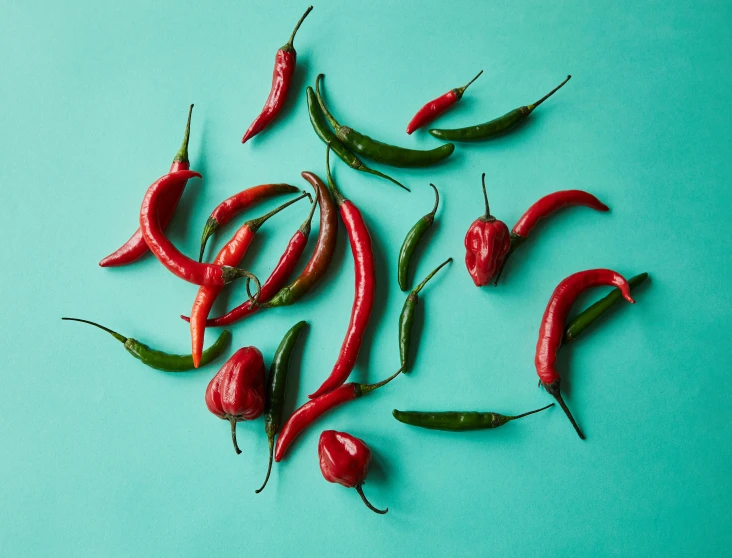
276 390
411 240
496 127
589 316
320 125
164 361
406 319
379 151
458 421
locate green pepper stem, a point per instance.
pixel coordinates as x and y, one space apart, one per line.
485 197
430 276
182 155
364 168
333 122
553 389
359 489
299 23
306 225
233 435
516 241
113 333
460 90
437 202
531 412
339 199
269 467
366 388
545 97
254 224
212 225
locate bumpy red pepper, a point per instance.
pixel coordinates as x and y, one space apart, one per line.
236 393
486 243
554 322
345 459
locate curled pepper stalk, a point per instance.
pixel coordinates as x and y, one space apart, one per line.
406 253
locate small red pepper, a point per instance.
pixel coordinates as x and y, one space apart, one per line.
554 322
435 108
281 79
486 243
236 392
345 459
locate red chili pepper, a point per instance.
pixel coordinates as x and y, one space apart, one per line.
233 206
345 459
363 259
231 254
554 322
315 408
136 247
281 79
236 392
486 243
182 266
435 108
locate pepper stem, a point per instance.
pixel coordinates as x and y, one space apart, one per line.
430 276
233 435
113 333
182 155
364 168
531 412
359 489
211 226
288 45
553 389
339 199
516 241
437 201
333 122
485 197
460 90
254 224
305 227
269 467
545 97
231 273
365 388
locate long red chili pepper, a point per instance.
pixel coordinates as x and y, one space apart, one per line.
365 274
554 322
136 247
284 69
233 206
435 108
180 265
231 254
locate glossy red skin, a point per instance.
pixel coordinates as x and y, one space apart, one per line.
180 265
344 459
136 247
310 412
552 203
363 302
486 244
554 321
237 390
233 206
284 69
432 110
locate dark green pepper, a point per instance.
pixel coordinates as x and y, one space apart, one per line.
496 127
276 383
410 243
379 151
406 319
165 361
458 421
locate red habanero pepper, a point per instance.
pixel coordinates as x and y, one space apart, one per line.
236 392
435 108
554 322
486 243
136 247
315 408
281 80
231 254
233 206
345 459
365 273
164 250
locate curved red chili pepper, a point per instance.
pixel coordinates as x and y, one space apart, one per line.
164 250
435 108
554 322
136 247
365 275
554 202
284 69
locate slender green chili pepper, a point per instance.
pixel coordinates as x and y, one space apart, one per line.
379 151
496 127
276 390
411 240
165 361
458 421
406 319
593 313
320 125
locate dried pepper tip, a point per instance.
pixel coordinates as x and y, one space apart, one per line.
117 336
553 389
359 489
545 97
460 90
212 225
430 276
288 46
182 155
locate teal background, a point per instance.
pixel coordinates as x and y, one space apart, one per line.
102 456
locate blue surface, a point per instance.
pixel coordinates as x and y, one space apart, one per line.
102 456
